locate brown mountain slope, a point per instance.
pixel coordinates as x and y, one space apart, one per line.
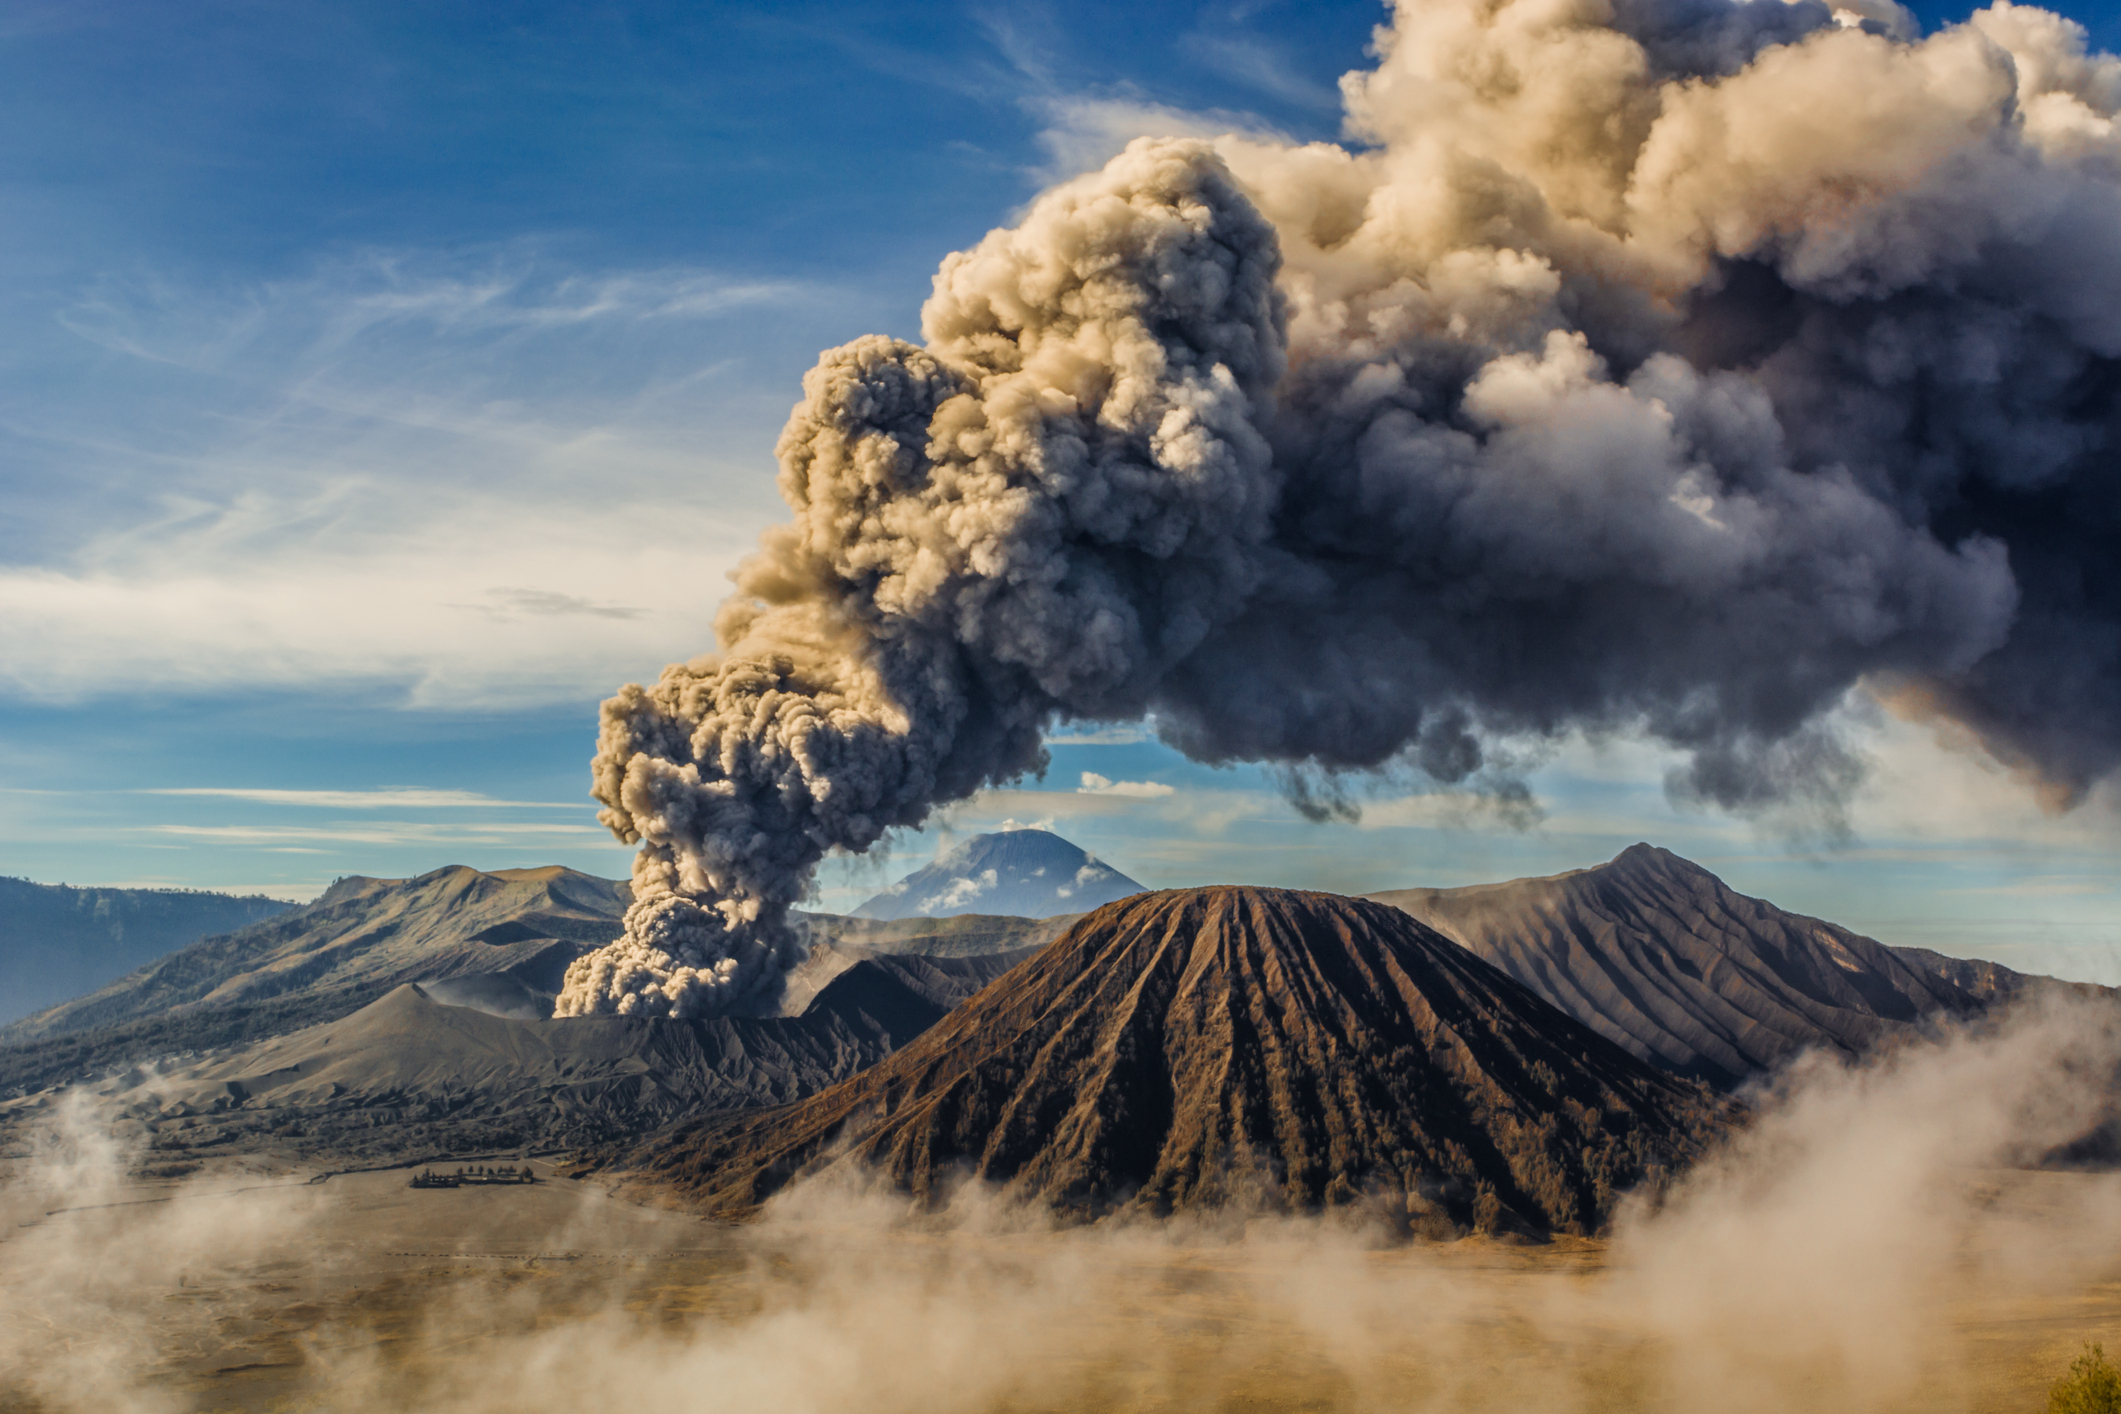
1210 1047
57 941
1659 955
409 1076
362 937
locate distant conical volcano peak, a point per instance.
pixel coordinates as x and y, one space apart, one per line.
1024 873
1204 1048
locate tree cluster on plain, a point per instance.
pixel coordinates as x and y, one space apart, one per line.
2092 1386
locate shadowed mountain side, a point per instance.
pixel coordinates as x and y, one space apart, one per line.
409 1076
1986 982
495 942
961 935
1217 1047
837 942
57 941
370 934
1657 954
29 1066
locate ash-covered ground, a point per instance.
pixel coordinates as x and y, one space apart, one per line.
261 1291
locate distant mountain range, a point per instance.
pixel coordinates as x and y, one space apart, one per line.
1023 873
492 942
1209 1048
79 960
409 1016
57 941
361 938
407 1078
1660 956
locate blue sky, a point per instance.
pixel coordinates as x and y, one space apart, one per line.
385 383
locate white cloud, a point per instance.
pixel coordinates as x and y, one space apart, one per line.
2043 886
1083 132
1193 812
961 892
1105 734
1924 786
1089 874
382 832
471 480
357 296
1094 784
509 603
360 585
395 798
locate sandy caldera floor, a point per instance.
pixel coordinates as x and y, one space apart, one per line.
255 1290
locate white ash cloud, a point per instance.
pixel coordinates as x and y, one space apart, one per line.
1670 368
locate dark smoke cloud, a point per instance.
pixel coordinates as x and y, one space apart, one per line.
1670 368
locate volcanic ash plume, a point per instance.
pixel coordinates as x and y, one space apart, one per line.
1668 366
1039 514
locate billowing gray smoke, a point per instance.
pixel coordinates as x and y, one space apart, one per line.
1043 513
1667 366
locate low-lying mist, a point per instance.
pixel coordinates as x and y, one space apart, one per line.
1871 1241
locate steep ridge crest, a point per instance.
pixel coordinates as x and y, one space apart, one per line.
1658 955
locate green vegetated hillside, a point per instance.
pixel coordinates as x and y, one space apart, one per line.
57 941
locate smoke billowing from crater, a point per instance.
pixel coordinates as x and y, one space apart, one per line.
1668 366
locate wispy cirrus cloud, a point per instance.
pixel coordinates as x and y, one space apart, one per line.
1082 132
1261 65
459 480
381 832
209 605
399 798
1095 784
545 603
1105 734
371 295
